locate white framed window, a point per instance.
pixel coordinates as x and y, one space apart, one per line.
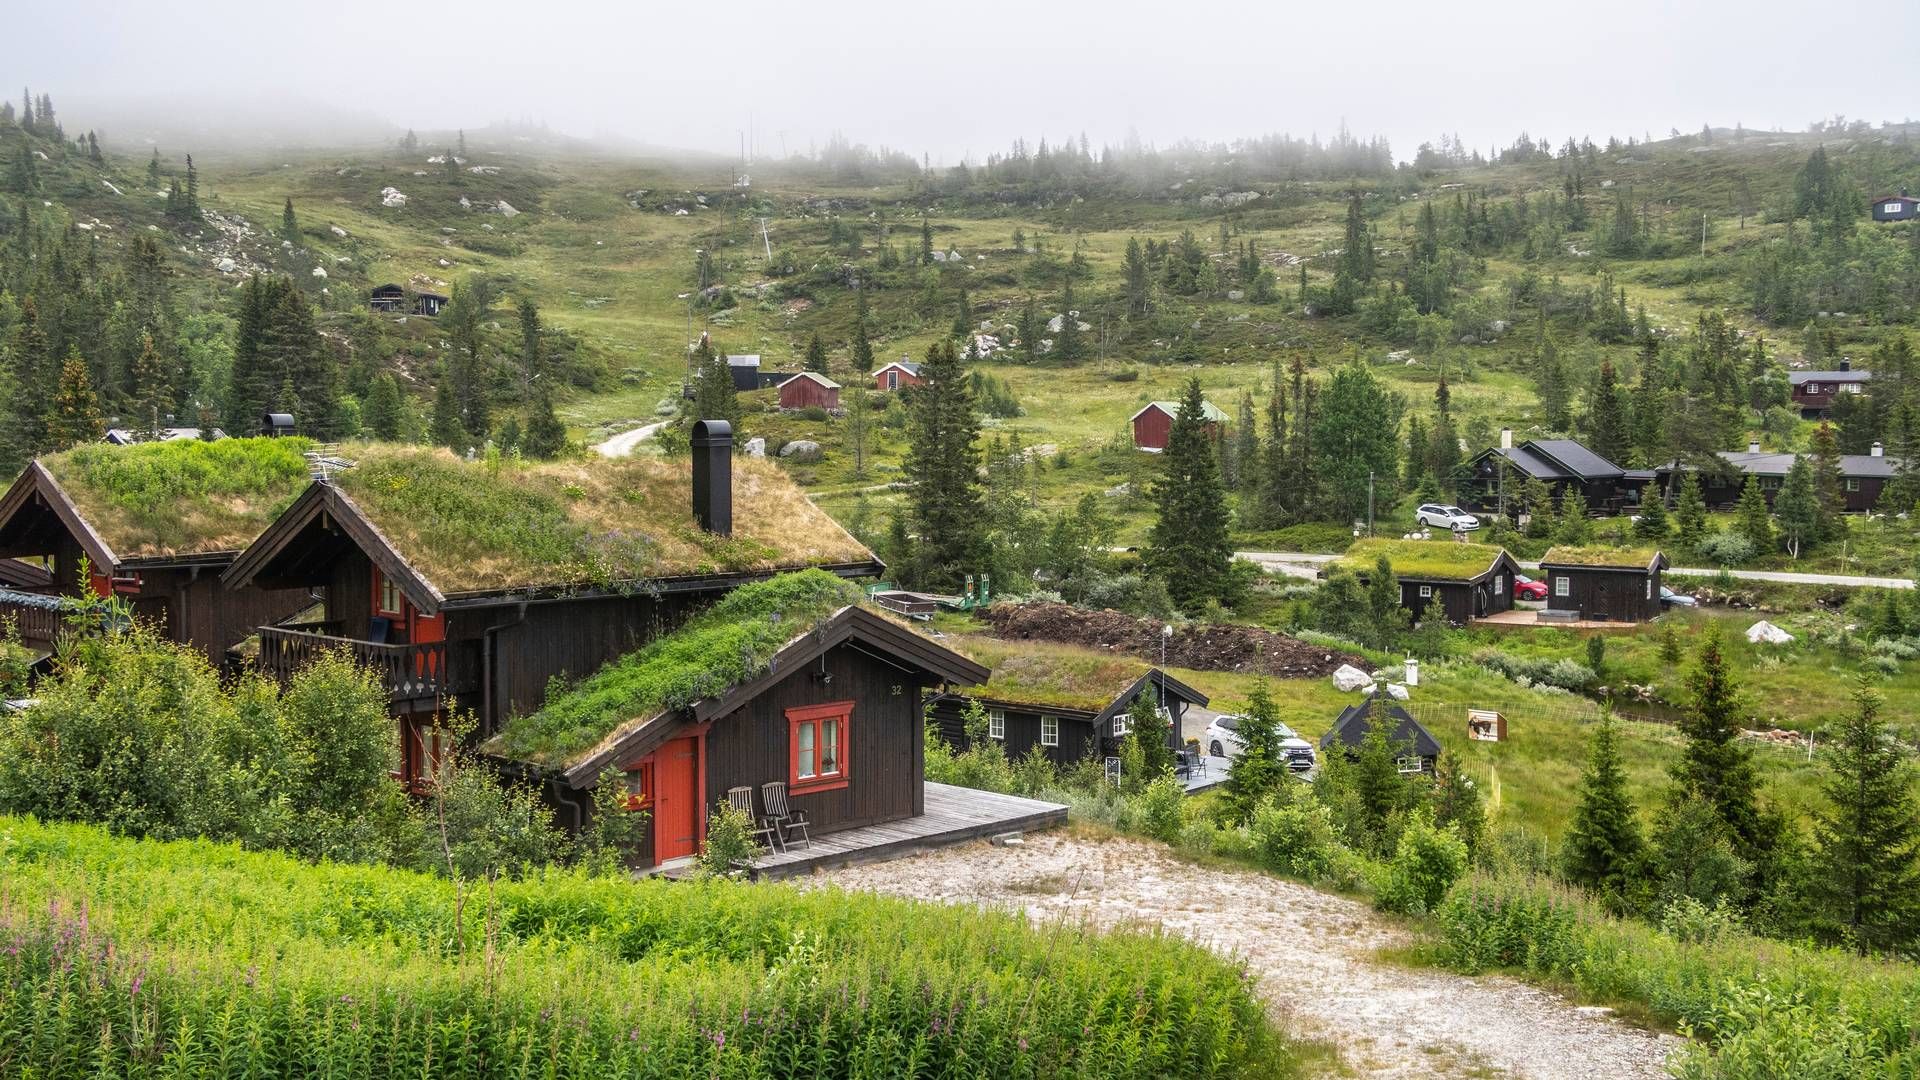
1649 588
1562 585
1426 592
1409 765
1853 483
997 724
1499 584
1122 723
1851 388
1890 208
1049 731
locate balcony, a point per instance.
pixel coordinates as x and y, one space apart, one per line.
39 619
411 673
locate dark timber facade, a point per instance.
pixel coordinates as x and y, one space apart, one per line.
1066 735
1599 589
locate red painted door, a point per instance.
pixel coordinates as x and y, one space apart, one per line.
676 802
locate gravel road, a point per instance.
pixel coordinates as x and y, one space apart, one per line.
1313 955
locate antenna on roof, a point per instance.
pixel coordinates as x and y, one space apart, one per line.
324 461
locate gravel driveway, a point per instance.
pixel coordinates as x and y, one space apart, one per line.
1311 953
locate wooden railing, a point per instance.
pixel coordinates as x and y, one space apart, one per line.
410 672
36 624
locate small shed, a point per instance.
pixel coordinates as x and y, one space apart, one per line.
389 298
429 303
1154 424
1467 581
810 390
1486 725
745 369
898 375
1621 584
1901 207
1414 746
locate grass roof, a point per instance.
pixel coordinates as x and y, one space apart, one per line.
724 647
1624 558
1060 676
471 526
184 496
1439 560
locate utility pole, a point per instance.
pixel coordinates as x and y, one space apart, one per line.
1369 502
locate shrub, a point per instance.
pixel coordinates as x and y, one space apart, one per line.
1163 809
1426 863
1537 671
730 842
1527 923
1725 549
1687 919
1296 837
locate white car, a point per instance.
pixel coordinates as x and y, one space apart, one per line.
1445 516
1223 740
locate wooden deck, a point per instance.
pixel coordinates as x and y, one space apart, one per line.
954 815
1531 617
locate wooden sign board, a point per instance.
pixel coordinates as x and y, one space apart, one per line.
1486 725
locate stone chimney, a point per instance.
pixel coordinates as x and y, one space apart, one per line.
1506 438
713 476
1753 446
1878 450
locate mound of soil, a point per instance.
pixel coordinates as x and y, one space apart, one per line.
1201 647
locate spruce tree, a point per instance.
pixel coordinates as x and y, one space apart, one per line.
191 206
1029 329
1388 618
1652 522
942 466
76 407
1188 545
714 397
1603 847
446 429
380 414
153 169
1798 508
1755 522
289 225
1139 278
1247 456
1257 771
152 399
546 436
963 316
817 354
1556 397
1456 801
1868 859
1069 347
1607 418
1829 482
1690 511
33 378
862 345
251 383
1714 766
533 361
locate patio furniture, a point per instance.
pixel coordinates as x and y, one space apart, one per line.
782 814
741 798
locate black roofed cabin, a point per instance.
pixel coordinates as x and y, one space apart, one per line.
1814 392
1415 748
429 303
1901 207
828 704
418 580
389 298
1071 704
89 522
1493 477
1862 477
1463 581
1602 584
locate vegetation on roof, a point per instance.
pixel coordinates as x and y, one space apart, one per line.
1627 558
477 526
1442 560
720 649
1060 676
182 496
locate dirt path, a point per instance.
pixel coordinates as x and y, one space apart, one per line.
622 444
1311 953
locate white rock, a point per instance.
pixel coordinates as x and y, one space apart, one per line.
319 271
337 231
801 450
464 204
756 447
506 208
1764 632
444 262
83 226
1349 678
392 197
1397 691
113 189
225 266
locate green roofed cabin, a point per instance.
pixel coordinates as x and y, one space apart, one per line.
1466 581
785 680
473 584
1414 747
1071 703
1621 584
154 523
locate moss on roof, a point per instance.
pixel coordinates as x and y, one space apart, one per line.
478 527
1437 560
1625 558
183 496
1057 676
724 647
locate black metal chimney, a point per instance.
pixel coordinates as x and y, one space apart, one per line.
1846 364
276 424
713 476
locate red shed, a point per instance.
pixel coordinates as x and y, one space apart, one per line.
898 375
810 390
1153 424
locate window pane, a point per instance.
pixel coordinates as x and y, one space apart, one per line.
804 758
830 746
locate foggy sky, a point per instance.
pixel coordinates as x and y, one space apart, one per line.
963 80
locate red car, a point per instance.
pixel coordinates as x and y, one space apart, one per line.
1525 588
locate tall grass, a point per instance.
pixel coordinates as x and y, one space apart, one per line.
1761 1008
124 957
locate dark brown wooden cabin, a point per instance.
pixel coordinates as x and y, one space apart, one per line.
1622 585
1814 392
440 642
1414 746
853 682
1862 477
1466 581
387 298
1065 734
1493 478
178 592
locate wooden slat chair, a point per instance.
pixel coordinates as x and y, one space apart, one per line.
741 799
774 795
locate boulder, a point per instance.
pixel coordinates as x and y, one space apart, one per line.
392 197
226 266
319 271
506 208
337 231
1765 633
801 450
756 447
1397 691
1349 678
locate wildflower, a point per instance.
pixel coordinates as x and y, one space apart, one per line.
137 980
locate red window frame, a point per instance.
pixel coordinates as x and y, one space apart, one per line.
380 581
427 746
639 773
837 713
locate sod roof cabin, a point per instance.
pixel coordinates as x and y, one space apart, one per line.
1414 747
156 523
1603 583
787 680
474 584
1466 581
1071 703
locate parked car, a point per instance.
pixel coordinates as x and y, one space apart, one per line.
1525 588
1669 598
1223 740
1445 516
